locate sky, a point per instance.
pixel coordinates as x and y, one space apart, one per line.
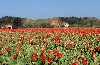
40 9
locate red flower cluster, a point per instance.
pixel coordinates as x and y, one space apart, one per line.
46 47
75 63
20 45
8 48
1 52
43 58
42 51
69 46
50 60
62 43
18 53
47 52
14 56
56 39
98 48
33 57
85 62
94 54
57 53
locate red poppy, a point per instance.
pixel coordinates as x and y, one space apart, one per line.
35 54
50 60
59 55
43 58
46 47
42 51
1 52
55 52
33 57
93 53
56 39
22 49
85 62
98 48
34 43
10 34
98 39
8 48
89 48
28 39
75 63
18 53
14 56
75 42
43 38
2 45
49 53
20 45
62 42
39 37
47 36
69 46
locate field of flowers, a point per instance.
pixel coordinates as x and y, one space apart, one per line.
50 46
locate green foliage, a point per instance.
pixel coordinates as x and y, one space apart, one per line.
18 22
29 43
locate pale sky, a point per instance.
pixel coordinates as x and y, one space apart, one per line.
37 9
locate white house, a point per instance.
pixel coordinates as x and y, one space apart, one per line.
8 26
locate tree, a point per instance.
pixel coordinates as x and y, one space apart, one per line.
27 23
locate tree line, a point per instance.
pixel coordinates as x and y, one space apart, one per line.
18 22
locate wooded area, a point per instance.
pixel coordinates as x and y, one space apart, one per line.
18 22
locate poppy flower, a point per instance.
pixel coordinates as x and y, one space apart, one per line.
50 60
49 53
59 55
98 48
2 45
85 62
75 42
35 54
55 52
33 57
75 63
43 58
62 43
20 45
1 52
34 43
69 46
93 53
98 39
39 37
47 36
22 49
46 47
14 56
8 48
18 53
42 51
89 48
56 39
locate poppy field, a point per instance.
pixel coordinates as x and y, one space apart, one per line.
50 46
